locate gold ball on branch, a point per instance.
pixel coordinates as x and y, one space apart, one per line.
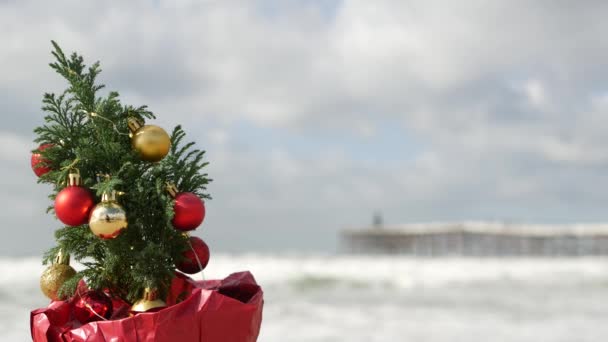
150 141
108 218
149 303
53 278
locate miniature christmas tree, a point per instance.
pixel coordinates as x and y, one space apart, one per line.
126 192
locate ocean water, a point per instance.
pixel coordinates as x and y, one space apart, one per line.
371 298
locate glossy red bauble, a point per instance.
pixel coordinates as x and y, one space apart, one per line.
189 211
38 163
195 258
91 306
73 205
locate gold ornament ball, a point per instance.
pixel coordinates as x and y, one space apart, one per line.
53 278
151 142
108 219
149 302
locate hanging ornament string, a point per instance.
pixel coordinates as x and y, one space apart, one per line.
95 115
198 261
72 169
88 306
108 176
72 165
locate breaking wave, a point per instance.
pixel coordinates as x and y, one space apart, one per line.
385 298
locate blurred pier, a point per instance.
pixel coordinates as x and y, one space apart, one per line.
479 239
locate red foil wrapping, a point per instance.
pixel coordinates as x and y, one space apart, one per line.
228 310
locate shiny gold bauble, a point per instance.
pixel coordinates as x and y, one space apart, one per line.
150 141
53 278
108 218
149 302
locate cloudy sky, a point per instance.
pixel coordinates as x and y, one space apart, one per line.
315 114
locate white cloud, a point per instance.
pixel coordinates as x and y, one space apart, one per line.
14 148
536 93
504 101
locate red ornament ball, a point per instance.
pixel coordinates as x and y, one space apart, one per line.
91 305
192 256
73 205
39 163
189 211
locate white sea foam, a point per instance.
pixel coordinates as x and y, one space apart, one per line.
361 298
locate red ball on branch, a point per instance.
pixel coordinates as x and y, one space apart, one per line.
74 203
189 211
39 164
196 257
92 306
